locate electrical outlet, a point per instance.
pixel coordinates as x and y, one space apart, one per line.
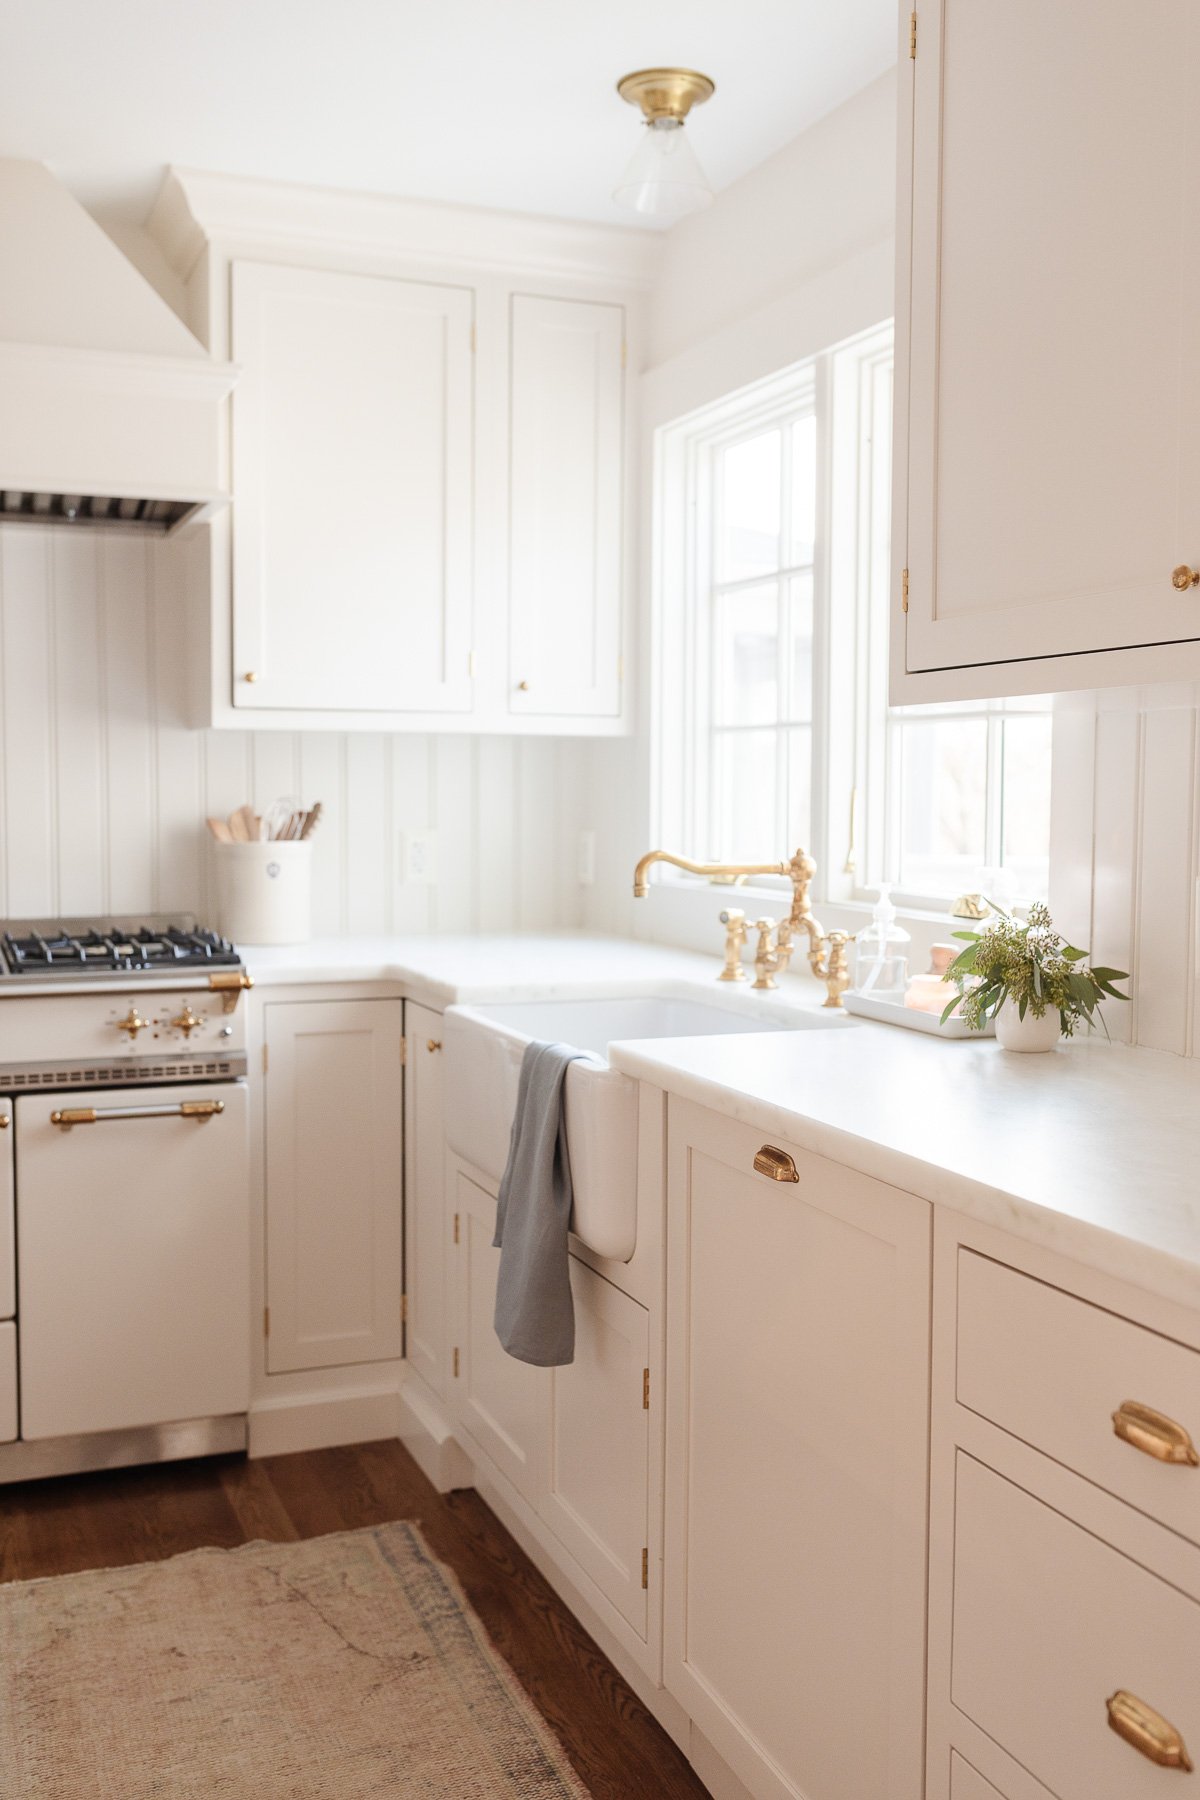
586 864
418 858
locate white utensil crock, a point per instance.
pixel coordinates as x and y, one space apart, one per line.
264 892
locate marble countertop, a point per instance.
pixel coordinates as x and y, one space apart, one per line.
1092 1150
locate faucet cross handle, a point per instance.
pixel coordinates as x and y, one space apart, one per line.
766 957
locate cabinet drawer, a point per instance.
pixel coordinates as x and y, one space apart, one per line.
8 1383
967 1783
1049 1622
1053 1370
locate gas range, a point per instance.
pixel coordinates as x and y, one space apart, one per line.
87 1003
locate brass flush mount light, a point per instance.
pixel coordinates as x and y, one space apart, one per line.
663 178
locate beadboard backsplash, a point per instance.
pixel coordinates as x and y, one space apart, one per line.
1124 850
105 787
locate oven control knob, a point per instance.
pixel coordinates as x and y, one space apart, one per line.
187 1021
132 1023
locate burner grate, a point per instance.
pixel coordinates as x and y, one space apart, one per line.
113 949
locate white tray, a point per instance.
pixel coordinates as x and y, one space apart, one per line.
894 1012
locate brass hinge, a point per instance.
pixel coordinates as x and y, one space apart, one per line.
912 35
645 1390
404 1309
456 1362
456 1228
474 333
266 1321
645 1568
904 591
404 1052
266 1058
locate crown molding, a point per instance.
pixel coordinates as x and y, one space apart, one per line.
195 208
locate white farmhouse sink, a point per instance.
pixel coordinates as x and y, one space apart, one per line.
484 1046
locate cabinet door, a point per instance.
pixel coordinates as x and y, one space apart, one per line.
8 1246
352 474
1053 368
597 1497
797 1404
501 1403
566 506
425 1197
335 1187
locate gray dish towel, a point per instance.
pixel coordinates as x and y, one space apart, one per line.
535 1316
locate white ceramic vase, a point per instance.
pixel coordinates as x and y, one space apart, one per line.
1029 1033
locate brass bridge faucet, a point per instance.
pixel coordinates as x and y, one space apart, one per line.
776 941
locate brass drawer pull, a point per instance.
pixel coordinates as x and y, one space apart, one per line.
1154 1434
775 1163
1147 1731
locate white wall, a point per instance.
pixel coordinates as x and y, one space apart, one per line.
796 256
104 790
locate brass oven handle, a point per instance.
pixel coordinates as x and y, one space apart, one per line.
91 1115
1147 1731
1154 1434
775 1163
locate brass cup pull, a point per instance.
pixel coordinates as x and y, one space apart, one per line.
1147 1731
1184 578
432 1044
775 1163
1154 1434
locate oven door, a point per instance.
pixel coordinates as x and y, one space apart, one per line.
133 1257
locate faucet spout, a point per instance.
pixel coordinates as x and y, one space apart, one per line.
714 871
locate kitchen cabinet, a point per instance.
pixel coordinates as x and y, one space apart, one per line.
565 508
8 1222
334 1125
797 1400
425 1197
352 456
1048 349
8 1382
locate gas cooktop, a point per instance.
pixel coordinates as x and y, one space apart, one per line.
71 949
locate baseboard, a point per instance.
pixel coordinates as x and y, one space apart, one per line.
317 1421
713 1770
426 1432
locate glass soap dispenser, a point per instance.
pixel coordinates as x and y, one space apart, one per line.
881 967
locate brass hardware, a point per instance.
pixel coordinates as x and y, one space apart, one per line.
666 93
432 1044
970 906
266 1321
775 1163
250 676
646 1568
266 1059
1147 1731
766 957
734 922
904 591
522 687
624 354
645 1390
1184 578
1154 1434
186 1022
90 1115
456 1363
229 983
132 1023
5 1121
912 51
456 1228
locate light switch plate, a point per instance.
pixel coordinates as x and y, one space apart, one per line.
418 858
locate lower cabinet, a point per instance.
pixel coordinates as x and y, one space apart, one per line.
797 1433
334 1182
967 1783
427 1342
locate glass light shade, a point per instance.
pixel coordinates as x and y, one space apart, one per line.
663 178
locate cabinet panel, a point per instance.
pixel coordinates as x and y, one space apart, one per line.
8 1382
797 1395
967 1783
1053 371
334 1178
1049 1621
425 1199
566 506
352 468
598 1466
502 1404
8 1246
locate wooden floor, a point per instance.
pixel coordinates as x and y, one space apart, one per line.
139 1515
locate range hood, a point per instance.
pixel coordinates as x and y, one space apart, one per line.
110 410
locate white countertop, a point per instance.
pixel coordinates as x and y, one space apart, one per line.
1092 1150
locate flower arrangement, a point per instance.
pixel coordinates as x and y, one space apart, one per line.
1027 963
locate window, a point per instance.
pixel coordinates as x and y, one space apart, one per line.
773 727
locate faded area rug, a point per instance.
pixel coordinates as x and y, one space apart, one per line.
348 1667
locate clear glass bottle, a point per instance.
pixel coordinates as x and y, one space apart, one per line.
881 962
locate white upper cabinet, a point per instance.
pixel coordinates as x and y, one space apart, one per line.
1048 348
565 506
352 469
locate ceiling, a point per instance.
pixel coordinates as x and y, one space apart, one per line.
505 103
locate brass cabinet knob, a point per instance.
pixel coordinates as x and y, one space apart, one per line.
775 1163
1184 578
132 1023
432 1044
1147 1730
522 687
186 1022
1154 1434
250 676
5 1121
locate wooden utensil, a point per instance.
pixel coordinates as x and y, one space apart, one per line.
251 822
310 822
237 827
220 831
